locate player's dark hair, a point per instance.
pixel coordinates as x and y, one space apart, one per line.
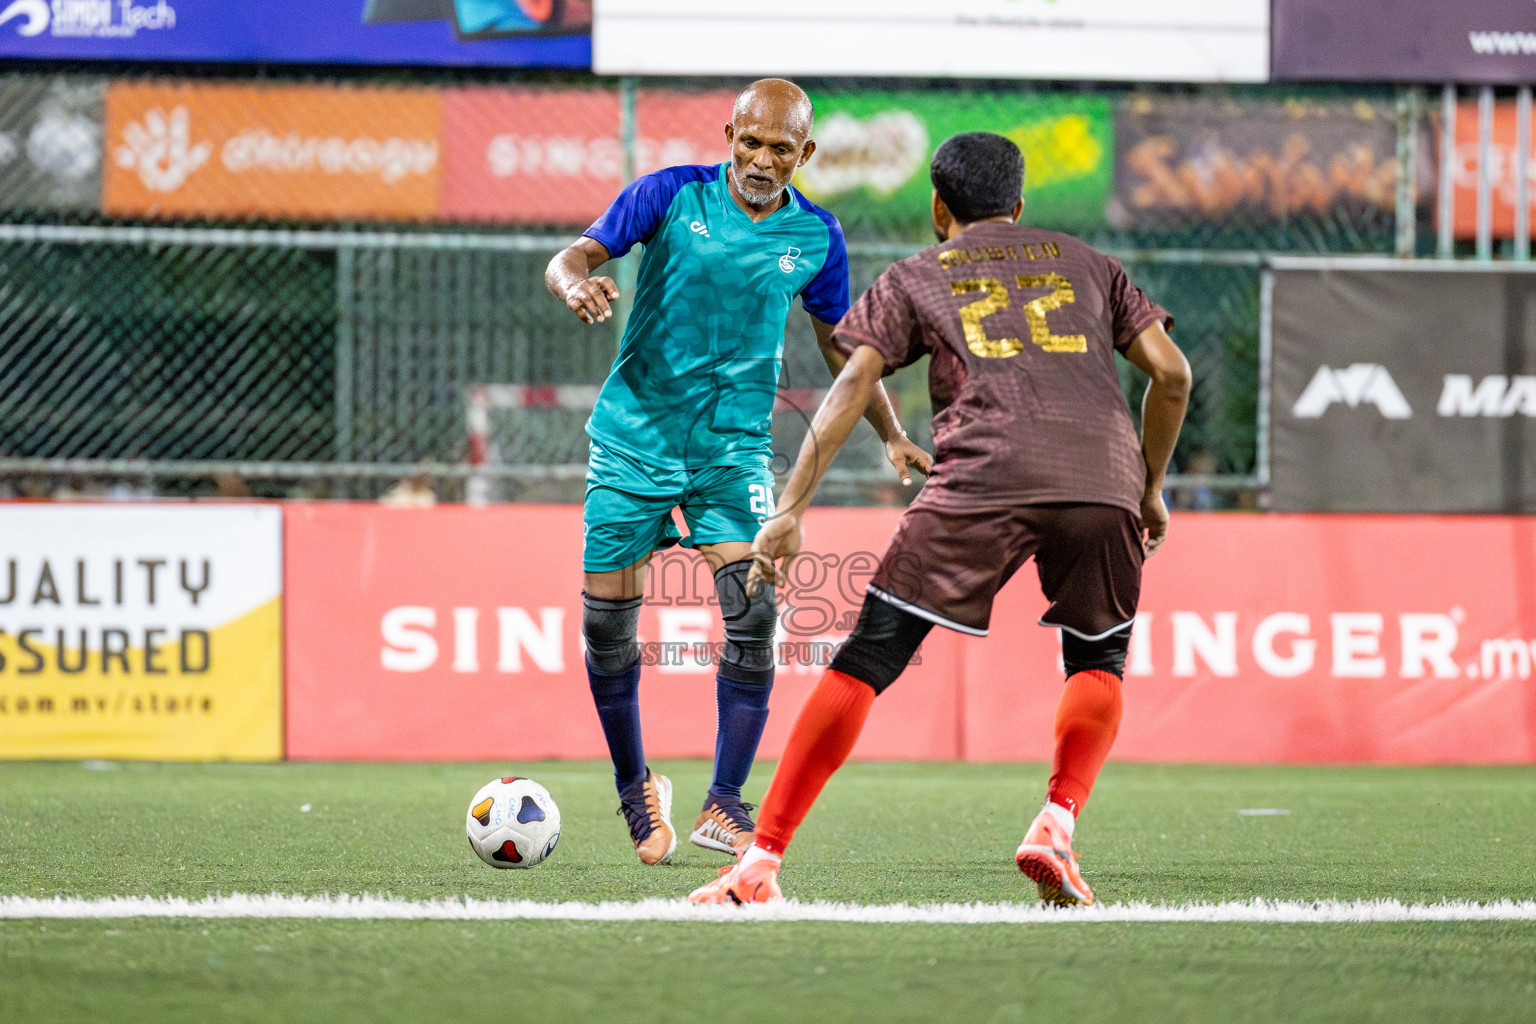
978 175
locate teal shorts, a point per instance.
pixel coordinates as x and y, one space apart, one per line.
628 508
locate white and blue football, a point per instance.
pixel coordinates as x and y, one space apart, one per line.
513 823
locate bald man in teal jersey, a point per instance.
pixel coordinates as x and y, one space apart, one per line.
683 421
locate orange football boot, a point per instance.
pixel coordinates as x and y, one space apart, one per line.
1046 857
757 882
647 809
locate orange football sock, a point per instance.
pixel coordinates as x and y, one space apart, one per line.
824 734
1087 720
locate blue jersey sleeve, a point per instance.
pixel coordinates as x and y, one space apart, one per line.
634 216
826 296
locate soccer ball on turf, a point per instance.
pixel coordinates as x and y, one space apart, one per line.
513 823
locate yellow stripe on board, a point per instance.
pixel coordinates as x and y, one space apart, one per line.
178 695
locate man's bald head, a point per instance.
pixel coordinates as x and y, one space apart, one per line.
770 137
775 102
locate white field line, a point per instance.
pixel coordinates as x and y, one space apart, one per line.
376 908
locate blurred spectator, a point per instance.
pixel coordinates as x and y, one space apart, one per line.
1199 497
97 489
35 488
128 490
312 490
231 485
410 492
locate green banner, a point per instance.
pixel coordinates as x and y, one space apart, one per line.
873 149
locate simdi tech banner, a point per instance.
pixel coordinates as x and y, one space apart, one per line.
1094 40
141 632
454 633
1402 386
505 33
1492 41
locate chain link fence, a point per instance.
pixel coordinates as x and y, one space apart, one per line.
338 359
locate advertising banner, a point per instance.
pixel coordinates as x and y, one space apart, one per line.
554 156
873 151
494 33
50 143
455 634
1180 159
1401 386
1501 169
301 152
141 632
1296 639
1095 40
1491 41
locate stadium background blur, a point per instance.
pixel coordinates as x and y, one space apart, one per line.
295 259
268 269
243 336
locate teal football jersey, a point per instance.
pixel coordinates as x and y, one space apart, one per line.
698 365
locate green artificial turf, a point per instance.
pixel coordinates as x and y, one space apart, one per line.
881 834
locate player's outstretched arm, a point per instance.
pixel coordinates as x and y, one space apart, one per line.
881 414
1162 414
568 278
778 541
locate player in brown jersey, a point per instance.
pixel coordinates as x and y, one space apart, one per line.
1035 456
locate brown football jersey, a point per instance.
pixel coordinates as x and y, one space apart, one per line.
1022 326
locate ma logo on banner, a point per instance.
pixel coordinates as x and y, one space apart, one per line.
1360 383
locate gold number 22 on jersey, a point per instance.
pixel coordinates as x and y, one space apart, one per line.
1035 311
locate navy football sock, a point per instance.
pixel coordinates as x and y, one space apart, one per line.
618 707
742 711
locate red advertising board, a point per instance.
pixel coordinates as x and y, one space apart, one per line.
454 633
554 156
1299 639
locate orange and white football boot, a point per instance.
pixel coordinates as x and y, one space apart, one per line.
1046 857
754 881
725 825
647 809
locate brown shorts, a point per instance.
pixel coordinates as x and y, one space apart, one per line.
946 565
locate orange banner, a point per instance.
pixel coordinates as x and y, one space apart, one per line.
1501 169
285 152
455 633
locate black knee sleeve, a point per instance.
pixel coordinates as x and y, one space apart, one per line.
1104 655
882 643
750 620
608 627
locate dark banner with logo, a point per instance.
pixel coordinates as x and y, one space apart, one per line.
1180 160
1402 387
50 143
1490 41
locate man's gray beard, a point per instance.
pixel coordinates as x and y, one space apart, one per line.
755 198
